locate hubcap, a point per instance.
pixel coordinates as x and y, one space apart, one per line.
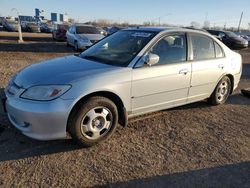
96 123
222 91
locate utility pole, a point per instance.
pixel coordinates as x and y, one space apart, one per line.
19 26
240 21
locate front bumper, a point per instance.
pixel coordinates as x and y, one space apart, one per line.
84 45
39 120
240 45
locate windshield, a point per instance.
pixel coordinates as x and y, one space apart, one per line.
231 34
120 48
86 30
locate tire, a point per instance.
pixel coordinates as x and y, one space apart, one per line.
76 46
221 92
67 43
93 121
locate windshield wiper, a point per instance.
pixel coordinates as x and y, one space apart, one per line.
90 57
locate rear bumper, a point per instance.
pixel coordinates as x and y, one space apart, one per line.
240 46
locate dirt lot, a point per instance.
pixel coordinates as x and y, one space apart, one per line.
192 146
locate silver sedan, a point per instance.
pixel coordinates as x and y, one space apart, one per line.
131 72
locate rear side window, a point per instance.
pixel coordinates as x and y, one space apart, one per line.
202 47
218 51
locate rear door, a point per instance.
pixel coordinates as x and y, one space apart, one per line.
208 62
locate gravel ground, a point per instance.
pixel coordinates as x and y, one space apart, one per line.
195 145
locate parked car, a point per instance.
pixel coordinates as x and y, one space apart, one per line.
132 72
1 20
45 28
230 39
102 31
10 25
82 36
112 30
59 32
32 27
246 37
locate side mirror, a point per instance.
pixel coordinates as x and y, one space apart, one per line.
151 59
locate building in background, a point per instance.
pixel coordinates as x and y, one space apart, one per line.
54 17
26 18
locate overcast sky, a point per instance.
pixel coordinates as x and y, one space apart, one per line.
178 12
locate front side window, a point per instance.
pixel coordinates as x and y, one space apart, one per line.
120 48
202 47
171 49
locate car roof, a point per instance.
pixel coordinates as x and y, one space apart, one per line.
165 29
81 24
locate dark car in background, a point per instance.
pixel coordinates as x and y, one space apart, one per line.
246 37
46 27
1 23
111 30
59 32
230 39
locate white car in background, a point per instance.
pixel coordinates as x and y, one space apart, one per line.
82 36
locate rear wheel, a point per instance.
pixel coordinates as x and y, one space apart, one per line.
221 92
93 121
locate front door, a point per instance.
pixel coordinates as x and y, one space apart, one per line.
165 84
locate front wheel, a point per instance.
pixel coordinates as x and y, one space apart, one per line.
221 92
93 121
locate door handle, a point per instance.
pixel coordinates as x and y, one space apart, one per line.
183 71
221 66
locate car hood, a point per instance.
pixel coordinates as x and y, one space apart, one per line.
92 36
238 39
64 70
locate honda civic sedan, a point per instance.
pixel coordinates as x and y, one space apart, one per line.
132 72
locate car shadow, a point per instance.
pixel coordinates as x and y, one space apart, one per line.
15 146
233 175
235 99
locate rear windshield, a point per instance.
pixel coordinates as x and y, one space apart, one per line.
86 30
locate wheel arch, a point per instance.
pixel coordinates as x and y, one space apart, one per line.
231 77
122 112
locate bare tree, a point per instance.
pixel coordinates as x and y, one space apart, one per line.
195 24
206 25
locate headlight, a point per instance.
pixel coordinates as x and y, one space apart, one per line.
45 93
